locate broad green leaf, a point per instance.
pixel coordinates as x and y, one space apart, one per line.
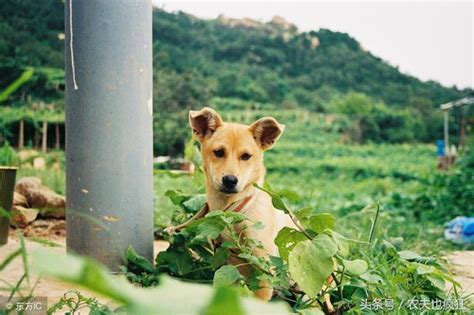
220 258
289 194
371 277
177 197
286 240
226 275
277 201
225 301
9 258
356 267
303 213
412 256
319 222
138 261
253 259
423 269
326 244
310 265
176 259
209 229
16 84
437 281
194 203
342 243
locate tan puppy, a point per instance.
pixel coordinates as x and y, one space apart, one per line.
233 162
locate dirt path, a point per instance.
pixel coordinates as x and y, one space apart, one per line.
462 263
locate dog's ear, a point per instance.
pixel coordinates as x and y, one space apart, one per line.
266 132
204 122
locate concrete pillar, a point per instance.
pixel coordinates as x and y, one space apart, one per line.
109 171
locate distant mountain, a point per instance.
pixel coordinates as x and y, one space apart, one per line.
235 64
273 62
234 58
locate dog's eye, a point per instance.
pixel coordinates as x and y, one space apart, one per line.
219 153
245 156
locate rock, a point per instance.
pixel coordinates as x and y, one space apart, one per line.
21 216
55 213
45 198
19 200
41 197
24 184
39 163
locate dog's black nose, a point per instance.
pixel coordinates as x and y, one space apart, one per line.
229 181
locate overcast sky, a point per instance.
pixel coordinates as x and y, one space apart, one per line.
430 40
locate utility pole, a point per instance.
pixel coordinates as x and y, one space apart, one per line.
109 170
446 131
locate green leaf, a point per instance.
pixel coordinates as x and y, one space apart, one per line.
310 265
194 203
355 267
220 257
342 243
412 256
303 213
326 244
15 85
225 301
289 194
277 201
226 275
319 222
424 269
371 277
138 261
436 281
177 197
286 240
209 229
9 258
176 259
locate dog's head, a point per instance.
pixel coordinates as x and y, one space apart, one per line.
233 153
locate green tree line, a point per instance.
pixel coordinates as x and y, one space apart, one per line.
209 62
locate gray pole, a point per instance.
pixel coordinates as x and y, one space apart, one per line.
109 171
446 132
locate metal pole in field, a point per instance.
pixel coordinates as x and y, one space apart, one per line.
109 171
446 131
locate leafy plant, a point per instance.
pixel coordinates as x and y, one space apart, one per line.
73 302
8 156
314 261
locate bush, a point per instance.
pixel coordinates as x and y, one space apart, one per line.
8 156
